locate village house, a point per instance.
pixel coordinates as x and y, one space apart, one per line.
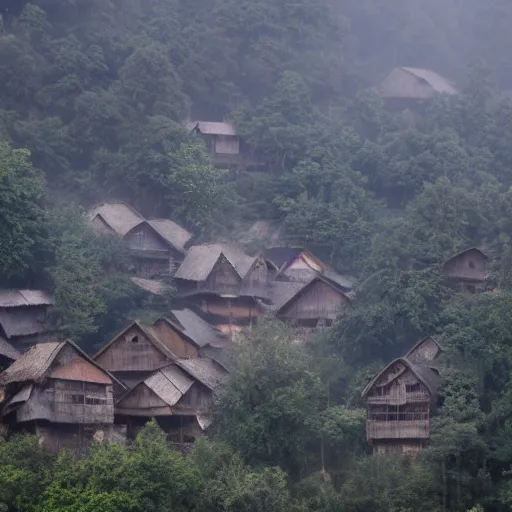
221 140
156 246
23 317
57 392
399 400
224 283
301 265
134 354
406 88
308 306
466 270
178 396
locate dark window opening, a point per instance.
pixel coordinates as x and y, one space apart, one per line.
413 388
471 264
135 339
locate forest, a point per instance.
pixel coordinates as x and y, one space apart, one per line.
92 102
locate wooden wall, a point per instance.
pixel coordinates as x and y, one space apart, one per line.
235 308
319 300
470 265
144 238
223 279
132 351
142 401
174 340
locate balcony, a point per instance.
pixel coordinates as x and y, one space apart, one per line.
407 429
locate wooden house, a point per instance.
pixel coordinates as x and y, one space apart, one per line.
399 400
178 396
57 392
23 317
221 140
301 265
186 334
407 88
134 354
156 246
224 282
311 305
466 270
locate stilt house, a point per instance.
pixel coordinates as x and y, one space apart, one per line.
57 392
399 400
466 270
155 245
23 317
178 396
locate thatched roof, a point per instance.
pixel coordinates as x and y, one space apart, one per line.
146 331
120 217
412 355
210 373
201 259
212 128
424 374
153 286
34 364
23 323
19 298
174 234
193 327
7 350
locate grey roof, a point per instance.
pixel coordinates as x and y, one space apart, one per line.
437 82
7 350
153 286
343 281
194 327
33 364
424 373
20 324
17 298
201 259
169 383
470 249
18 399
412 356
212 128
205 370
281 292
174 234
120 217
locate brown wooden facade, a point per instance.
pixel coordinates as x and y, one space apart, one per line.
466 271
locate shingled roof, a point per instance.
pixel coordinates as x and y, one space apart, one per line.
212 128
35 363
18 298
120 217
210 373
173 233
193 327
201 259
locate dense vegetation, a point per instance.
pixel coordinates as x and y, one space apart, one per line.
92 100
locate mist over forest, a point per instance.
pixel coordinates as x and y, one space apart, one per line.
94 97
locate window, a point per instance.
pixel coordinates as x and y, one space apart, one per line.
135 339
413 388
471 264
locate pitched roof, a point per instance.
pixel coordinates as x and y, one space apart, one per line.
210 373
212 128
147 331
34 364
201 259
411 354
471 249
173 233
7 350
120 217
20 325
153 286
424 374
436 81
193 326
81 370
280 256
17 298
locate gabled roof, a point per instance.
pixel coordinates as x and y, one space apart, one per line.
281 295
120 217
147 331
424 374
18 298
193 327
35 363
436 81
461 253
207 371
211 128
201 259
172 233
282 255
410 355
7 350
20 325
169 384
